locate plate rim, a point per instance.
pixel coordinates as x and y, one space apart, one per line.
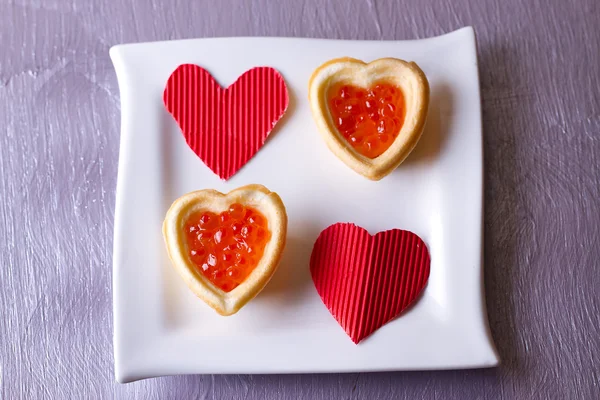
130 370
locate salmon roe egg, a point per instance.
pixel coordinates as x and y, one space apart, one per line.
369 119
226 247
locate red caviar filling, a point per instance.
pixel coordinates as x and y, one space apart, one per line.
369 119
226 247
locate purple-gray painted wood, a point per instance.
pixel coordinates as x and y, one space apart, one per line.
59 113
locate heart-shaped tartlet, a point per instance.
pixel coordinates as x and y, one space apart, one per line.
225 127
370 115
226 247
365 281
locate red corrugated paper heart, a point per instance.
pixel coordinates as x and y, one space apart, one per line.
225 127
365 281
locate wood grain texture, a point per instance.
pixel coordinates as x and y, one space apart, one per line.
59 113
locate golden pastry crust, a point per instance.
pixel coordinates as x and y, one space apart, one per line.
405 75
256 196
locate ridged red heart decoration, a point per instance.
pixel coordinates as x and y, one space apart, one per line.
225 127
365 281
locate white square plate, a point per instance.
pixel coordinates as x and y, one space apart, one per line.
161 328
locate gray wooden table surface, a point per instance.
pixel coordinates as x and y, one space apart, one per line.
59 143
